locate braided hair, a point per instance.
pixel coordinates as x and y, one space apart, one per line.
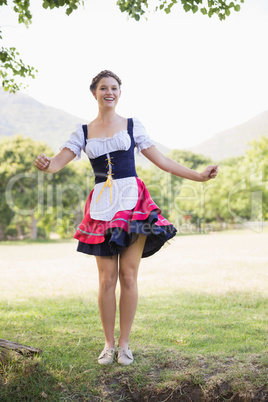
102 74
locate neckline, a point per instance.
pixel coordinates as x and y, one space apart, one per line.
124 131
97 139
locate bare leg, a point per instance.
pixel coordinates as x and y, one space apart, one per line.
128 273
108 275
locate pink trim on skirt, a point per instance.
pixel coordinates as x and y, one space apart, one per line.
93 231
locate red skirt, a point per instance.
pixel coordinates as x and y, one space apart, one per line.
106 238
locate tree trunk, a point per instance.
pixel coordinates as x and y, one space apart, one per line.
19 231
78 218
18 347
2 236
33 227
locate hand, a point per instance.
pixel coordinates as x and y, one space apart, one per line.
210 172
42 162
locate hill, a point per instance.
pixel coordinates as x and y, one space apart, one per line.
234 141
21 114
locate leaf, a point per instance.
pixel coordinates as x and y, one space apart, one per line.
203 11
45 4
195 9
237 7
69 11
210 13
187 7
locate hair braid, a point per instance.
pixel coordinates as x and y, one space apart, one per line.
102 74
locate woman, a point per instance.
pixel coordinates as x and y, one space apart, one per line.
122 224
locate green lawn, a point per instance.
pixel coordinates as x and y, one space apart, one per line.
200 329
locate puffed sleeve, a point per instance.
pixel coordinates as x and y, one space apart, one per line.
76 142
141 138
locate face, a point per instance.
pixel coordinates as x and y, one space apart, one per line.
107 92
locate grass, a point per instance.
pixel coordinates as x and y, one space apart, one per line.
193 341
24 242
185 337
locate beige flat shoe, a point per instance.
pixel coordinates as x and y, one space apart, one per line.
125 356
106 356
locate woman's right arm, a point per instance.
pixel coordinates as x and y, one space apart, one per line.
53 165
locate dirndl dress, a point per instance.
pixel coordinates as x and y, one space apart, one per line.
120 207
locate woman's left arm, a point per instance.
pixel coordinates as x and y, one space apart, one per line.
169 165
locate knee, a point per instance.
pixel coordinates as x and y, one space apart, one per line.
128 279
107 283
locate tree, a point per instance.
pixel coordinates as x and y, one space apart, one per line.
32 203
181 190
175 196
18 186
257 157
12 67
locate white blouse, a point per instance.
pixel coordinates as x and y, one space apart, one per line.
123 193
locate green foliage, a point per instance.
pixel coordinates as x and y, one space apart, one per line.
192 161
11 66
70 5
33 203
134 8
221 8
257 157
258 154
238 195
18 180
21 7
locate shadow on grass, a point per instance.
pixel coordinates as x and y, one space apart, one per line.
187 347
23 379
171 378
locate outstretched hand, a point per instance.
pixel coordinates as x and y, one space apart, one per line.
42 162
210 172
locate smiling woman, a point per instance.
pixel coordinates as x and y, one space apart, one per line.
122 223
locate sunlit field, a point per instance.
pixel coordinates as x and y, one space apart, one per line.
215 263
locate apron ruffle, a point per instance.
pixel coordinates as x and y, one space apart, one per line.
106 238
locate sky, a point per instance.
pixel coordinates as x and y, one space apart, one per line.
184 75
